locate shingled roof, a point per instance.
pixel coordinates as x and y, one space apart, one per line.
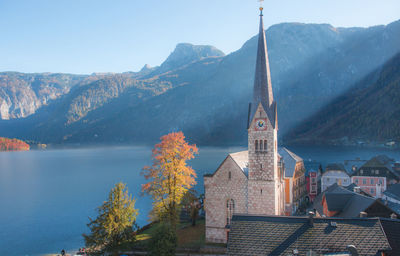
393 191
290 159
281 235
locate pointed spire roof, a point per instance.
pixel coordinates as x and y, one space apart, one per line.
262 91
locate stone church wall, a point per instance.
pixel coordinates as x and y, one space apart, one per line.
218 190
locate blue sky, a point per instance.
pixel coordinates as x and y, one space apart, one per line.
85 36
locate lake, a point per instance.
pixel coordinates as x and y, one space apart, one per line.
47 196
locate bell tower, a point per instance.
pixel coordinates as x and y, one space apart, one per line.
264 184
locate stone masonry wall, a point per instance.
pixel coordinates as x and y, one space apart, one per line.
218 189
263 168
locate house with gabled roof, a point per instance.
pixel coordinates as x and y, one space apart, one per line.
338 201
335 173
380 166
295 180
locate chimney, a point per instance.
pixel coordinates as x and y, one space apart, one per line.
378 190
393 216
311 218
352 249
363 215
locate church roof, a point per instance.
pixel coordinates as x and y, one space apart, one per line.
262 92
290 159
242 160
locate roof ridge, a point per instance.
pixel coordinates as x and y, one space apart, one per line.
315 218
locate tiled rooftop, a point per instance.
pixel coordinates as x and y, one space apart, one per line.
280 235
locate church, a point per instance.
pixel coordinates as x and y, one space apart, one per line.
252 181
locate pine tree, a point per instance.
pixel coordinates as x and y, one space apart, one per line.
115 226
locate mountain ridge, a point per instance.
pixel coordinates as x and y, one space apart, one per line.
368 113
203 96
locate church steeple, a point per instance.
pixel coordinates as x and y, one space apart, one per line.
262 91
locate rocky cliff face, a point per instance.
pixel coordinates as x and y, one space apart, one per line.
186 53
22 94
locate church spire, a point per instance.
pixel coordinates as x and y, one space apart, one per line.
262 80
262 91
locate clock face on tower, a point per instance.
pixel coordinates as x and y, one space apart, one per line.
260 124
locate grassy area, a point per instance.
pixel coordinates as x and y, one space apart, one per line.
188 236
192 236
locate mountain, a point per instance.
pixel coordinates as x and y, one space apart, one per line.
205 93
368 112
22 94
186 53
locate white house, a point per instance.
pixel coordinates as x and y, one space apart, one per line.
334 173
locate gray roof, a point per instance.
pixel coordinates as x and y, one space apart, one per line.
242 160
343 200
280 235
317 204
357 203
338 201
349 164
262 92
335 167
392 231
290 159
349 204
393 191
395 207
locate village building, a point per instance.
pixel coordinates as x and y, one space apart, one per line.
334 173
351 166
295 181
312 184
251 181
380 166
284 235
375 186
346 202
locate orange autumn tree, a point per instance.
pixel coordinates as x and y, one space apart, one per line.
169 177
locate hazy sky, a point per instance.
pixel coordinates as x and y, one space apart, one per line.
85 36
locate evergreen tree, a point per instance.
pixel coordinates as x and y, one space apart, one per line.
164 241
115 226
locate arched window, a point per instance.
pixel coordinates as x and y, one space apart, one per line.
230 209
261 145
229 175
256 145
265 145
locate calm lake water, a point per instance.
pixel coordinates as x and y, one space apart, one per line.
47 196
